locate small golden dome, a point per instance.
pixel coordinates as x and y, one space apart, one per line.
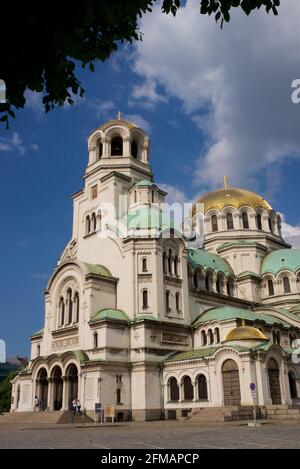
245 333
233 197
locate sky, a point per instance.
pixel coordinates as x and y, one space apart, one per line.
213 102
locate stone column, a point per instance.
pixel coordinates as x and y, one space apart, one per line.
196 397
64 405
50 394
181 396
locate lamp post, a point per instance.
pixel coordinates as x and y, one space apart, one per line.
83 406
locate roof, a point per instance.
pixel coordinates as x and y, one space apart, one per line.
126 123
144 182
144 217
281 259
233 197
109 314
207 260
98 270
244 332
247 273
38 333
201 353
229 312
145 317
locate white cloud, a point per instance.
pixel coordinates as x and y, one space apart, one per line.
175 195
34 147
146 95
290 233
13 143
34 101
140 121
101 109
234 83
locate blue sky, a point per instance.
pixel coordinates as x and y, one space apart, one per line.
208 110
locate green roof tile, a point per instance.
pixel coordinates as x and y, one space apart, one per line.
207 260
144 182
107 314
38 333
282 259
228 312
247 273
98 269
145 317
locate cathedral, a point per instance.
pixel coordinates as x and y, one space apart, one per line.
138 317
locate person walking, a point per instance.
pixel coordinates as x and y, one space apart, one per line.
36 403
74 406
78 406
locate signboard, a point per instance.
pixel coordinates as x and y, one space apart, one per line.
109 411
98 408
252 387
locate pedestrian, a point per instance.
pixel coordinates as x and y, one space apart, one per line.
36 403
74 406
78 406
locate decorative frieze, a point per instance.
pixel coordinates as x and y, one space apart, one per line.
65 343
172 338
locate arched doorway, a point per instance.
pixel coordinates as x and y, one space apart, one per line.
72 380
231 383
292 383
42 388
274 381
202 387
174 389
57 381
188 390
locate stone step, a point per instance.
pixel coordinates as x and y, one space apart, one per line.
68 417
31 417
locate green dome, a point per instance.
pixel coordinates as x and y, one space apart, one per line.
141 218
144 182
107 314
282 259
207 260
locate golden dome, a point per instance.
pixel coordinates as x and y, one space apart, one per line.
245 333
233 197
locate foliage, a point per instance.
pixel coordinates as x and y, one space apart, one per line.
5 392
41 43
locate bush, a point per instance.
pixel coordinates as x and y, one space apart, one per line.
5 392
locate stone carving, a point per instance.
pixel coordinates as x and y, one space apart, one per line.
175 338
65 343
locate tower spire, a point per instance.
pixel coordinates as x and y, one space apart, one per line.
225 182
119 115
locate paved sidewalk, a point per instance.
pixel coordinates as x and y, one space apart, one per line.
151 435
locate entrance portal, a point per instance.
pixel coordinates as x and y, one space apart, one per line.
72 380
57 387
274 382
231 383
42 388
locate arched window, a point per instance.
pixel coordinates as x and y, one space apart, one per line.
165 262
61 311
134 149
119 401
229 221
274 336
286 285
87 225
168 300
230 287
177 300
210 336
174 389
219 284
38 353
70 305
195 279
94 222
270 287
278 337
214 223
117 146
202 387
207 282
99 149
258 221
176 262
293 386
96 340
271 224
76 303
245 220
145 299
170 259
188 390
99 219
144 265
203 338
217 335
